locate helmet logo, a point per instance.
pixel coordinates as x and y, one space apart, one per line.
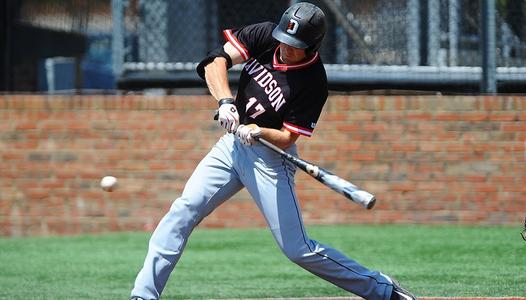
292 27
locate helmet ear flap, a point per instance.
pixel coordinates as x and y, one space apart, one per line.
312 49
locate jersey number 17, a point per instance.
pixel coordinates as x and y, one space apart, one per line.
256 109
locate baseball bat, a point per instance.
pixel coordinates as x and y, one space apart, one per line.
336 183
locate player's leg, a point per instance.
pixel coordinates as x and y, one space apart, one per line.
212 182
271 184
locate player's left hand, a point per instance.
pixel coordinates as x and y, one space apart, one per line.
247 134
228 116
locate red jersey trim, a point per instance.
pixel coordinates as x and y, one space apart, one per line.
229 36
297 129
284 67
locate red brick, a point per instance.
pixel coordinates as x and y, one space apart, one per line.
374 127
437 159
475 116
432 147
493 103
361 116
404 147
403 187
9 155
37 194
348 127
514 127
26 126
363 156
486 188
448 116
504 117
418 116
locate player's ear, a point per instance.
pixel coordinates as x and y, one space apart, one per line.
234 54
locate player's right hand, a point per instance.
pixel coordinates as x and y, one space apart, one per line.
248 134
228 117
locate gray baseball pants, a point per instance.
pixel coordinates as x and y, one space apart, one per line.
269 179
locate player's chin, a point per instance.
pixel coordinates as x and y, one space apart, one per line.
289 59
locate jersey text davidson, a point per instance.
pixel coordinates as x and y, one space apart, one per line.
265 79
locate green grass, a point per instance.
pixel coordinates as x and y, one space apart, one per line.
245 263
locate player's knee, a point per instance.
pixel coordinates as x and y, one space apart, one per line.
294 257
298 255
184 207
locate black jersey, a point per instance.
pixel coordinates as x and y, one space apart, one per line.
272 94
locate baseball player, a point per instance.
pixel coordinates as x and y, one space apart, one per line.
282 89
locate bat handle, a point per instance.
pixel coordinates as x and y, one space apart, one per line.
271 146
361 195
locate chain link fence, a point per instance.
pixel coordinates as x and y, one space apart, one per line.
160 34
396 44
51 45
402 44
377 32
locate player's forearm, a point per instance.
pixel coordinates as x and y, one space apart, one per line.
217 79
281 138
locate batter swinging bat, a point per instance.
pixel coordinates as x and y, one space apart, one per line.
342 186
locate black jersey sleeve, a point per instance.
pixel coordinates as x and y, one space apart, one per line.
251 40
217 52
305 111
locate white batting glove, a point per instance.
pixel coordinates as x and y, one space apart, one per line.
248 134
228 116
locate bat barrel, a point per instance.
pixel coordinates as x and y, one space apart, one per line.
371 203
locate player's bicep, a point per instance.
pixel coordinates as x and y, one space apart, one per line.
286 138
234 54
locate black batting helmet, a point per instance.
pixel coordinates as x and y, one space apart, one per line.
301 26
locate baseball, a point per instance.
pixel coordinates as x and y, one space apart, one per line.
108 183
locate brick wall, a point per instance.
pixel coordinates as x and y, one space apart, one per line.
429 159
